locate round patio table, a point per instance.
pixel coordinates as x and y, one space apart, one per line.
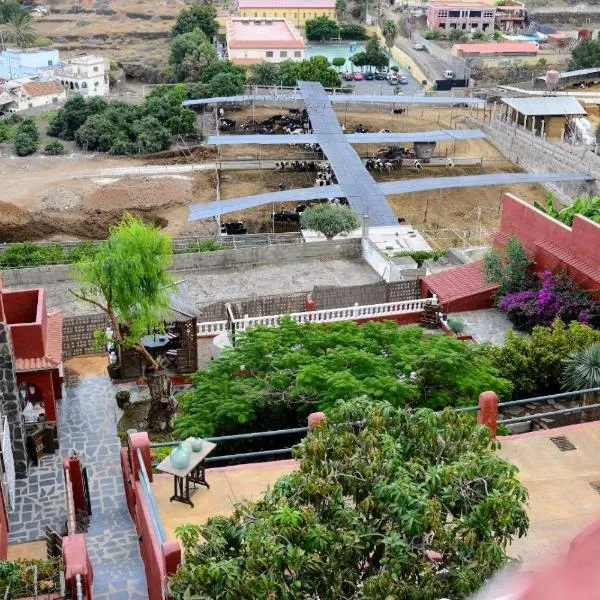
155 343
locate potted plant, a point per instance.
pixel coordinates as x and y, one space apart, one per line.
114 371
123 397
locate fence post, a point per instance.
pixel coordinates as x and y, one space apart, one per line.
488 411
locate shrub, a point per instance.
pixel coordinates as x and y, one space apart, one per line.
512 269
420 256
586 206
457 326
329 219
205 246
351 31
28 577
457 35
557 297
432 34
54 148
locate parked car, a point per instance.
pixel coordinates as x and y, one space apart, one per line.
448 74
403 79
369 76
348 77
418 47
380 75
358 76
393 80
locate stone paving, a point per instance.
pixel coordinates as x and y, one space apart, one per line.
87 422
487 325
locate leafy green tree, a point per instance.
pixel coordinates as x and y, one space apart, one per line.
582 372
151 136
585 55
275 376
317 68
217 67
338 62
226 84
374 54
8 9
321 28
24 144
18 30
264 73
390 33
341 8
198 16
164 103
457 35
28 126
73 115
329 219
127 280
534 362
97 133
353 31
54 148
512 269
586 206
363 512
190 54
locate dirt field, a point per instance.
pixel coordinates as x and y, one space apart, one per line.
48 198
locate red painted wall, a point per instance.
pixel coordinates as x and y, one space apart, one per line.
531 225
28 340
21 306
43 380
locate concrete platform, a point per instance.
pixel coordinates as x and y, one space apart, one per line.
561 500
228 487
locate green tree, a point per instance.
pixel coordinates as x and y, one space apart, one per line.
54 148
582 372
151 136
338 62
511 269
223 66
321 28
264 73
198 16
28 126
585 55
457 35
97 133
329 219
24 144
275 376
374 53
18 30
8 9
316 68
190 54
341 8
73 115
534 362
362 512
390 33
226 84
128 281
353 31
586 206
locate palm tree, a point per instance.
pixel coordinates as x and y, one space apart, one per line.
18 30
582 372
390 32
341 6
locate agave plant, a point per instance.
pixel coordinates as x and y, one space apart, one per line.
582 372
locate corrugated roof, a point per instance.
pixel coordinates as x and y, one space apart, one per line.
42 88
459 282
578 72
443 135
53 351
546 105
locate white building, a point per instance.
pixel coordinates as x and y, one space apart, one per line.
85 75
24 93
252 41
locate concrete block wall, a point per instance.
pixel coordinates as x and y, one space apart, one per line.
78 334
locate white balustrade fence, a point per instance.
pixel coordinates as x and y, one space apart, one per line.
328 315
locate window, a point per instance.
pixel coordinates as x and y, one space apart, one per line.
442 13
264 14
464 25
442 25
269 53
256 14
95 69
283 54
284 15
452 25
304 15
476 14
474 25
84 85
30 105
49 63
454 13
54 100
488 14
297 54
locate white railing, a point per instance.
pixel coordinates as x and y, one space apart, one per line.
328 315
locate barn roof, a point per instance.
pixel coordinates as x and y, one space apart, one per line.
546 106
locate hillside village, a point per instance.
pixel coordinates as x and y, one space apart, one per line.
299 299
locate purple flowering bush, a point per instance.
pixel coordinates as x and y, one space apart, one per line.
556 297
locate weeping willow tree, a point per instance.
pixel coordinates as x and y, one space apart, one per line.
128 281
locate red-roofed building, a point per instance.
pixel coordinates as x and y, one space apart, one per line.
37 347
252 41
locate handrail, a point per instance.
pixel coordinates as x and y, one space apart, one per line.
71 515
149 496
553 413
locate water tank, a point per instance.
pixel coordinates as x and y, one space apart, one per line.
552 79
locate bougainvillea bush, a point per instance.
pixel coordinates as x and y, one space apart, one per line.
556 297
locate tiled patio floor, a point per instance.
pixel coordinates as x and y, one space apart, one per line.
228 486
487 325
